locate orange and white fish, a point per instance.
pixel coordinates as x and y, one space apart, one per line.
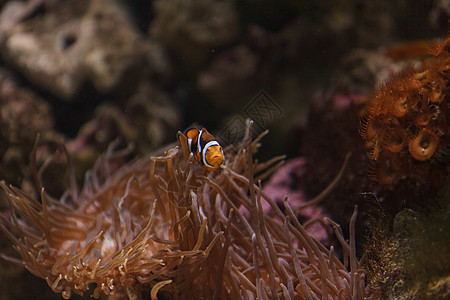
205 148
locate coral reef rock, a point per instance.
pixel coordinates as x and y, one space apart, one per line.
23 115
61 45
192 29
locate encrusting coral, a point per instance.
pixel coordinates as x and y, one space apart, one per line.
406 255
158 225
406 123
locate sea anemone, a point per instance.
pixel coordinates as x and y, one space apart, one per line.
158 225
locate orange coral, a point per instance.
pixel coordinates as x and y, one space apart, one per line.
406 122
423 146
414 49
159 224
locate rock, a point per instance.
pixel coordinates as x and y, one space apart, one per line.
23 115
192 29
60 46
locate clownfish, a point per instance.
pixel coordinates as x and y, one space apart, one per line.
204 147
